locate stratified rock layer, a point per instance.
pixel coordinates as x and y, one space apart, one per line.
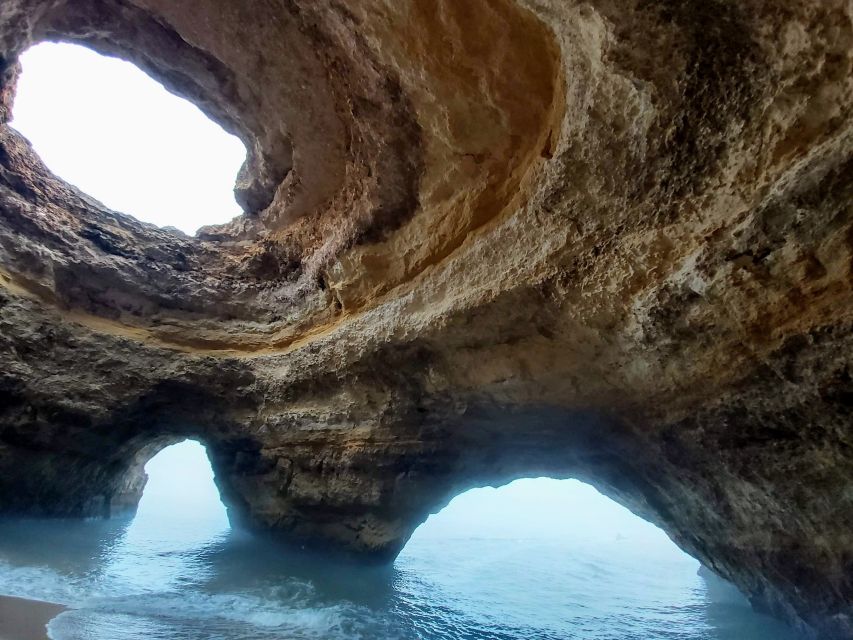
483 240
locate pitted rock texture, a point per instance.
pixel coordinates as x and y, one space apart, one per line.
482 240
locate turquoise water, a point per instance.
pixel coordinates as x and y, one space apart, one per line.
184 574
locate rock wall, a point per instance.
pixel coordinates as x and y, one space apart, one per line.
482 240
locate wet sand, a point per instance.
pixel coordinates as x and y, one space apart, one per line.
22 619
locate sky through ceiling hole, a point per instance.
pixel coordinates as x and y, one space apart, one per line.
106 127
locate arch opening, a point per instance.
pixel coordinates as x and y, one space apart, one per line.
180 493
179 518
105 126
560 556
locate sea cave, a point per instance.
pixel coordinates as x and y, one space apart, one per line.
475 242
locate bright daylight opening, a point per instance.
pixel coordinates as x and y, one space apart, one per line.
181 487
545 508
106 127
561 554
180 517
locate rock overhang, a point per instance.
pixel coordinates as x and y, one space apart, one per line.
482 240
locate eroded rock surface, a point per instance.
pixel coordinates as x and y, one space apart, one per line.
483 240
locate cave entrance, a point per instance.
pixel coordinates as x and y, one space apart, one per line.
180 520
556 558
180 499
108 128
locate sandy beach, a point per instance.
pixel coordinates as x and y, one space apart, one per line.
22 619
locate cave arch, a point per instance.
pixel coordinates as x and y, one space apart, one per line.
540 508
500 238
185 487
563 543
181 485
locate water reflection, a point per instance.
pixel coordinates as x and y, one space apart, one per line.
175 576
69 547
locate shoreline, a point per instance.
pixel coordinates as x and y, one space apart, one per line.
26 619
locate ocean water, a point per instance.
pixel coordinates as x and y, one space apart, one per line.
150 579
184 574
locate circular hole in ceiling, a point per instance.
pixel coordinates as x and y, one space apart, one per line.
108 128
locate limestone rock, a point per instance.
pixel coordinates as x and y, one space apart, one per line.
483 240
